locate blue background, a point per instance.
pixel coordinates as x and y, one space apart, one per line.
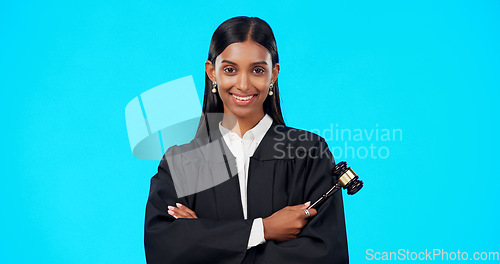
72 192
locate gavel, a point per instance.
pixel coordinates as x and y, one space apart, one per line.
346 178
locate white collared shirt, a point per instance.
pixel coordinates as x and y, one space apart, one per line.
243 149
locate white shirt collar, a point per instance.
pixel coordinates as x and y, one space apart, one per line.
257 132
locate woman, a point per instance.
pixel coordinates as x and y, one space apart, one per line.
236 193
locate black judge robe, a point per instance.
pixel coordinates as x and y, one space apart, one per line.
289 167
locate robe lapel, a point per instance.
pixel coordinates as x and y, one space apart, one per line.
261 174
227 195
260 179
260 188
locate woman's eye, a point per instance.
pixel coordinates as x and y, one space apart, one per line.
259 70
229 70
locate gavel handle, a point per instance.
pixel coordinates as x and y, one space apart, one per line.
324 197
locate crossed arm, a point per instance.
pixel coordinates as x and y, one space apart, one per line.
180 236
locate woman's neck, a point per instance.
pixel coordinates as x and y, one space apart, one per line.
241 125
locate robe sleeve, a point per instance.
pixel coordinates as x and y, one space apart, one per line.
323 239
170 240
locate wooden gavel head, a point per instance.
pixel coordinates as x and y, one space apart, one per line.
347 178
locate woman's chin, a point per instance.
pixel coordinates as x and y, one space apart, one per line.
245 113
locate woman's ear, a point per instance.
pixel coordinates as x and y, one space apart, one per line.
210 69
276 70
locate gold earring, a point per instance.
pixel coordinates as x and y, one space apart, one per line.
214 87
271 89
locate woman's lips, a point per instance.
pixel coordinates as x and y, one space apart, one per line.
243 99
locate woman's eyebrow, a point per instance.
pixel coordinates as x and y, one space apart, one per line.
253 63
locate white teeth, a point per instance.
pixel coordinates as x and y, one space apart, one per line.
243 98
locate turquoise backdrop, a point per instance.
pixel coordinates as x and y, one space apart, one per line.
417 82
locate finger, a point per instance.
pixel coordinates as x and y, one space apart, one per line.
301 206
177 212
312 212
182 214
186 209
171 212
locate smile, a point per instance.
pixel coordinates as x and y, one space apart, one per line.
246 98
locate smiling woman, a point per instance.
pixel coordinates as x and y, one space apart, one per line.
245 75
257 211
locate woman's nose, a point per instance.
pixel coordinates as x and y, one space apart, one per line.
243 82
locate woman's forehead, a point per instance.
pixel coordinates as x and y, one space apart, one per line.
246 52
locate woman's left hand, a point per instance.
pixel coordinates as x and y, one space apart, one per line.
181 211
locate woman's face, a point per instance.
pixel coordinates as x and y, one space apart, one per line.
243 72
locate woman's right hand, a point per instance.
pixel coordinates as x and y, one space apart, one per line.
286 223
